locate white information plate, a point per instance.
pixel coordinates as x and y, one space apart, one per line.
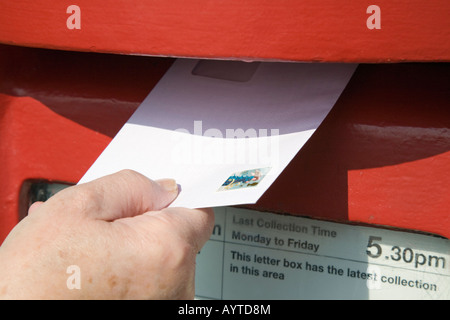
258 255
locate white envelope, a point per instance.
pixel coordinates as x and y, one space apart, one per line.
224 130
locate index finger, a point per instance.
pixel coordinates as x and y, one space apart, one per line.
192 226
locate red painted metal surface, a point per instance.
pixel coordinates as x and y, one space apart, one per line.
306 30
58 111
382 156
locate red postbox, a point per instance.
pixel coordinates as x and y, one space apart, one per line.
381 157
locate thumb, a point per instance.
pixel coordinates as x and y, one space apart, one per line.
123 194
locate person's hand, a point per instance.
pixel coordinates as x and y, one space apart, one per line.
111 238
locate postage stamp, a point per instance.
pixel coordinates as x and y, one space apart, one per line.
244 179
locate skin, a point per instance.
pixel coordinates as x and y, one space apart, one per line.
118 231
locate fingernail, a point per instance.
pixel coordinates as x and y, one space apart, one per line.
169 185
